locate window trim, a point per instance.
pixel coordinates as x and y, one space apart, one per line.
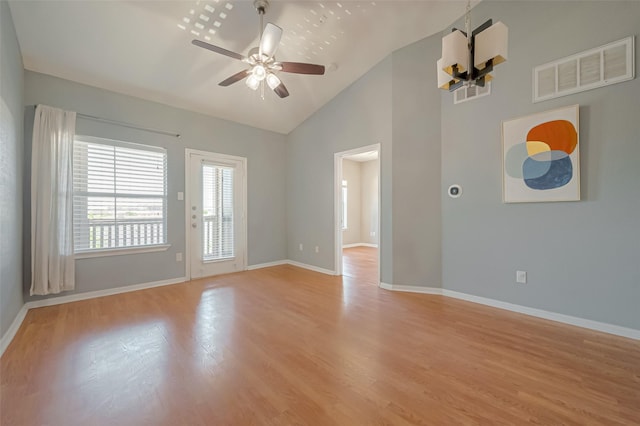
120 251
345 209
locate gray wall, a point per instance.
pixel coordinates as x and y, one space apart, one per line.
416 167
11 90
351 173
582 258
359 116
265 152
369 171
390 102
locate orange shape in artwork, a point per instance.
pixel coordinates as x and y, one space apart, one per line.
560 135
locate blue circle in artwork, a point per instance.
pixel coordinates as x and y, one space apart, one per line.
554 171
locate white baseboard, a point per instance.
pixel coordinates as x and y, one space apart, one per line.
101 293
344 246
13 329
617 330
411 288
266 265
311 267
553 316
292 263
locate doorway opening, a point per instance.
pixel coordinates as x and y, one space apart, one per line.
357 213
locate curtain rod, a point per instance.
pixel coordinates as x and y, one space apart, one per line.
125 124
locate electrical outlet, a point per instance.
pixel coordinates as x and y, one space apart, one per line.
178 257
372 233
317 249
521 277
300 247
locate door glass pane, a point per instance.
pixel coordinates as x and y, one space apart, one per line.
217 212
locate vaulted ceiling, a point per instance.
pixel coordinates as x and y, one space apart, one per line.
143 48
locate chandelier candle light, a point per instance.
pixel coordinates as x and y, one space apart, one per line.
468 57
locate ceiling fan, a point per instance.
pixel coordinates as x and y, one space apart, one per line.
262 61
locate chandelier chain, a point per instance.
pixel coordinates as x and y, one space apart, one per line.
467 22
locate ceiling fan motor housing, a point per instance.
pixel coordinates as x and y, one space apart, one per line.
261 6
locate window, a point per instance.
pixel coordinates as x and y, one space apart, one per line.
217 212
344 204
119 194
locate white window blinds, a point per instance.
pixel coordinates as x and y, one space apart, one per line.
120 194
217 212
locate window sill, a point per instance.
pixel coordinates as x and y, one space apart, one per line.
121 251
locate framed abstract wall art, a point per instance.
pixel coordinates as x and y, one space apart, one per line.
541 157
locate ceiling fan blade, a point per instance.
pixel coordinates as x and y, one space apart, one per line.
235 78
270 39
281 90
302 68
217 49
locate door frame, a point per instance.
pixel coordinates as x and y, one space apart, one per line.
337 202
187 204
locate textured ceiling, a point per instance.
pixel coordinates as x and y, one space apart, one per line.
143 48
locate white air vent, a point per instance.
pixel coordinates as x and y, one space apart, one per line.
466 93
602 66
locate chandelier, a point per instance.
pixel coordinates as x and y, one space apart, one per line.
468 57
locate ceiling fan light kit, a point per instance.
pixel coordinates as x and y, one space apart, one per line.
252 82
469 56
273 81
263 66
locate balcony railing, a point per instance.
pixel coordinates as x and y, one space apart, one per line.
217 237
107 233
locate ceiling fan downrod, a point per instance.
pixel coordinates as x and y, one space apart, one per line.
261 6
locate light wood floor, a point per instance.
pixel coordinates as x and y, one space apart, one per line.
361 263
284 346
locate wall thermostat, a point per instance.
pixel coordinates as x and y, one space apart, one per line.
455 191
